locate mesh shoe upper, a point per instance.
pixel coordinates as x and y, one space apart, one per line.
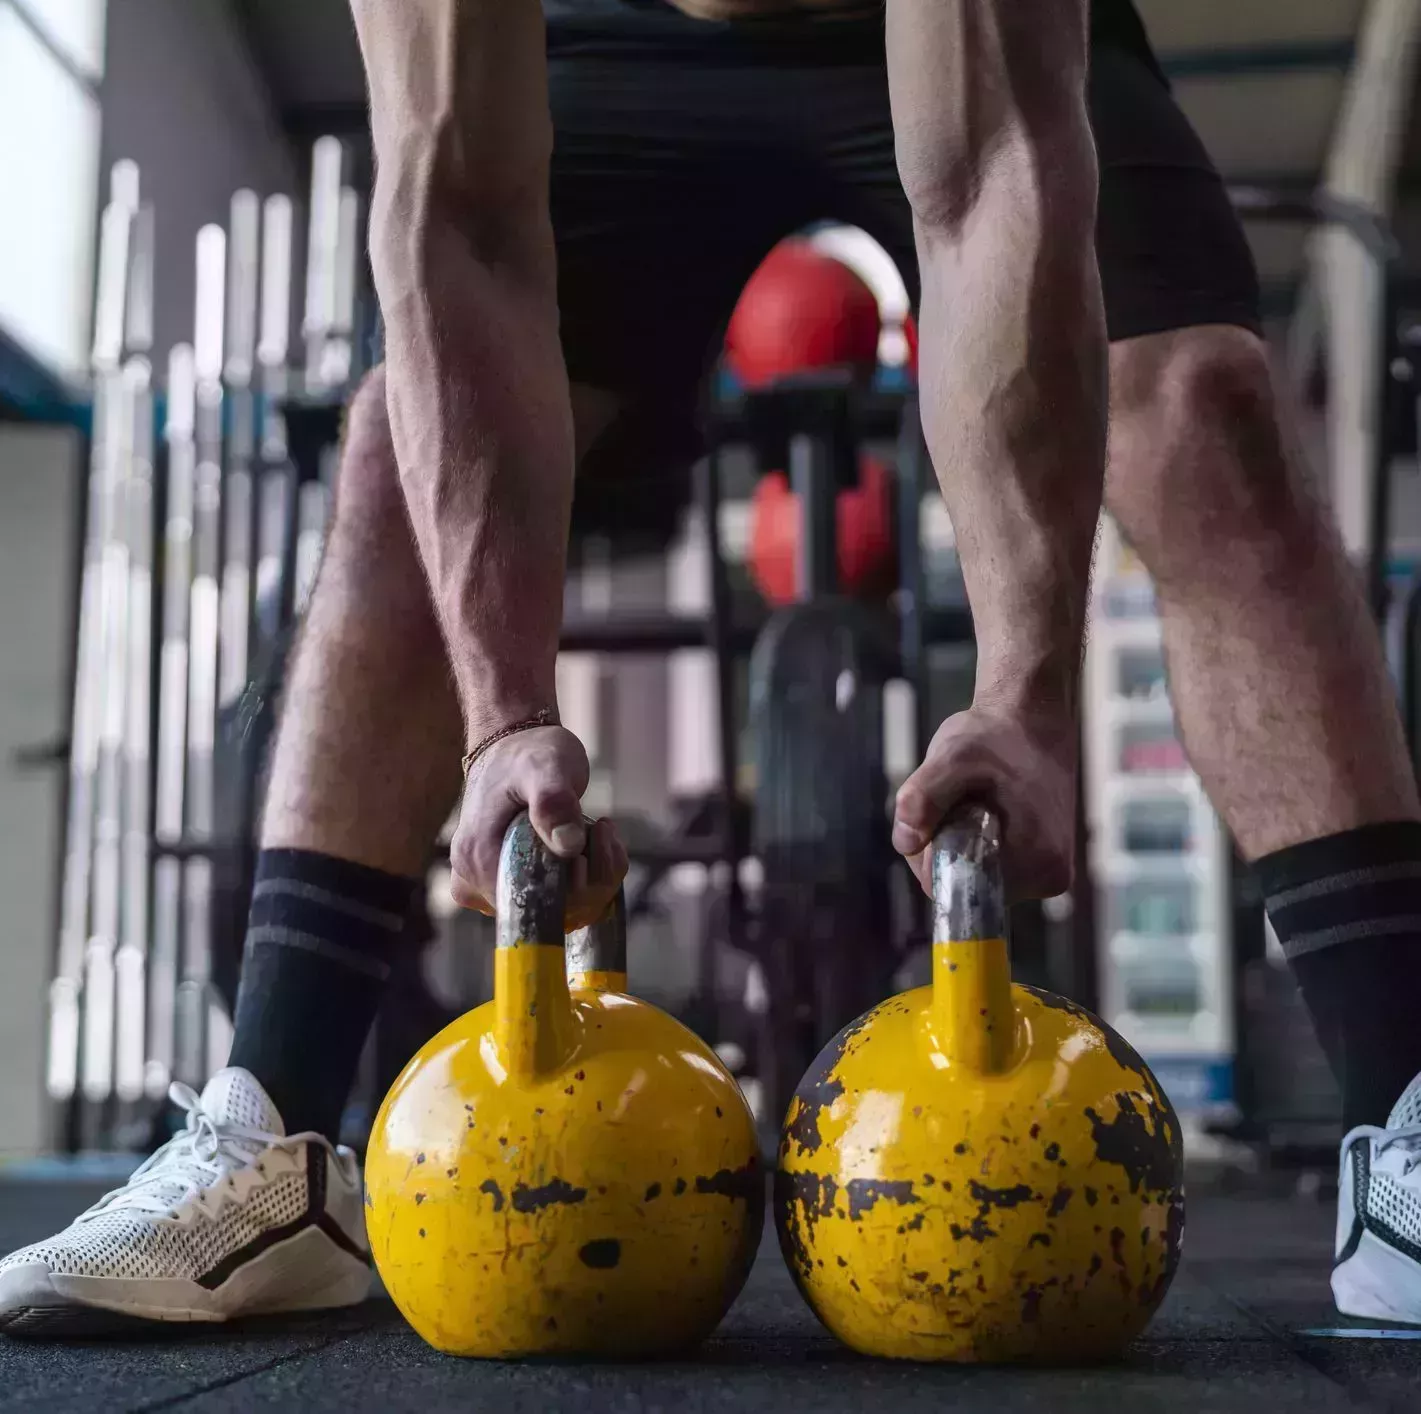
228 1177
1387 1171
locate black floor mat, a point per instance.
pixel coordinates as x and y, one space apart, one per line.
1248 1326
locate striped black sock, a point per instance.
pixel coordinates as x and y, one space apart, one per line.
1347 910
321 940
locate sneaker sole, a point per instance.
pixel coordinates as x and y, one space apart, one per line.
1378 1283
307 1273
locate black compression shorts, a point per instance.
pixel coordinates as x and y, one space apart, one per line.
684 151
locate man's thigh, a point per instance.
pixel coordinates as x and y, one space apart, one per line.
1173 254
662 208
1172 251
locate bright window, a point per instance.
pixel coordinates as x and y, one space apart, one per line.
49 156
74 27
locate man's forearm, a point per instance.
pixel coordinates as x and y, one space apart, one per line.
998 160
1019 391
481 423
461 245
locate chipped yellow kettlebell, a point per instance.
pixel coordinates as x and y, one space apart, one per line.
566 1170
977 1171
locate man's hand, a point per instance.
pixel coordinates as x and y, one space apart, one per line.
546 772
1023 767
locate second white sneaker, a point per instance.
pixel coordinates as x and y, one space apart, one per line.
232 1217
1376 1274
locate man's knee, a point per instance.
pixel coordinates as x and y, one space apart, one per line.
369 501
371 582
1197 452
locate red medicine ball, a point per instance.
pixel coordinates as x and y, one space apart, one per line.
802 310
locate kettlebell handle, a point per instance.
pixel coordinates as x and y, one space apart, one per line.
532 904
974 1024
969 897
601 950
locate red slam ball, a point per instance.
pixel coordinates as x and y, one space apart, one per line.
802 310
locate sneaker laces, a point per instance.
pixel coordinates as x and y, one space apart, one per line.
204 1152
1406 1137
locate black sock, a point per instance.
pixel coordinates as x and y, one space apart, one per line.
321 940
1347 910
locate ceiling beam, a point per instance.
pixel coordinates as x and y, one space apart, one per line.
1260 60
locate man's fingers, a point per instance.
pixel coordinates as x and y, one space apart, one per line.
604 869
924 800
957 768
598 876
915 816
620 862
556 812
576 877
922 866
466 895
592 878
548 777
474 853
552 779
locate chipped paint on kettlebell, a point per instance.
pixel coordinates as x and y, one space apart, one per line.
566 1170
998 1260
666 1174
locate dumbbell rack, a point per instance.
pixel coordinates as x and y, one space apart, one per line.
1159 857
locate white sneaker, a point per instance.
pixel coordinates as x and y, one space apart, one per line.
1376 1273
232 1217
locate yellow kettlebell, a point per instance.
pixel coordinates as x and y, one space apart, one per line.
566 1170
977 1171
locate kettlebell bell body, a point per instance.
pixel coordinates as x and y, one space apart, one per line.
565 1170
976 1171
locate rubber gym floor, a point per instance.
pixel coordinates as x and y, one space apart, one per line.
1248 1326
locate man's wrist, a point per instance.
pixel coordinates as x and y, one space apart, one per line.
485 718
1042 687
494 694
546 718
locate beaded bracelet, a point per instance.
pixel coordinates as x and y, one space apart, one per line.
546 718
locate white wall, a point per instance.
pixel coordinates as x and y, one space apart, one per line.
183 99
38 482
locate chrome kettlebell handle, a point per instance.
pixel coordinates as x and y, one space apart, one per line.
602 947
969 897
531 901
532 904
